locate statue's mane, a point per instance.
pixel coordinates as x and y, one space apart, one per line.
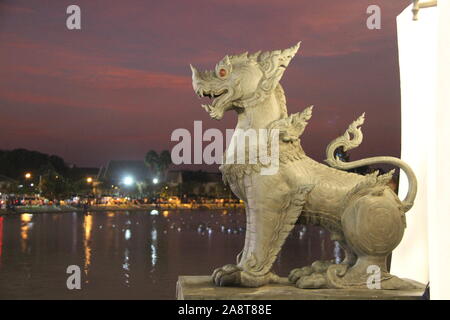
281 99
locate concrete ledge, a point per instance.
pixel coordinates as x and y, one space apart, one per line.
202 288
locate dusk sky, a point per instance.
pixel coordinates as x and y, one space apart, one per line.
121 85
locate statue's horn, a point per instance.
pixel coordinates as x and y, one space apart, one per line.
195 73
254 56
290 52
285 55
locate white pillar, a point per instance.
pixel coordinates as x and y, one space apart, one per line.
439 223
424 253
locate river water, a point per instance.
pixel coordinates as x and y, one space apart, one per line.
131 255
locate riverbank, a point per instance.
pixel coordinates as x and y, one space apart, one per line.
127 207
40 209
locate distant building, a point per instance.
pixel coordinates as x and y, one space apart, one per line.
84 172
113 177
197 183
6 183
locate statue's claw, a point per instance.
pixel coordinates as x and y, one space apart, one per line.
231 275
311 277
227 275
316 267
296 274
321 266
313 281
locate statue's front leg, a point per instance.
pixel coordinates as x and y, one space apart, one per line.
251 258
271 215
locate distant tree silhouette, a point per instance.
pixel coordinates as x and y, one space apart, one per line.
15 163
52 184
50 174
158 163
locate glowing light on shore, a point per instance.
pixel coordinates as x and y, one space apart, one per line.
128 180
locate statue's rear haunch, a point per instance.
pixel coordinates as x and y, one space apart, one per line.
361 212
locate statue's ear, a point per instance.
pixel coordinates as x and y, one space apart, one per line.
274 63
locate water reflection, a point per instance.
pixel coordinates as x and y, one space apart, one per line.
87 226
154 246
136 255
26 226
1 239
126 267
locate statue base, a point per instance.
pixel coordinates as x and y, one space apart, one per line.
202 288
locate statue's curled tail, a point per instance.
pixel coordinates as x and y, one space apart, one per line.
351 139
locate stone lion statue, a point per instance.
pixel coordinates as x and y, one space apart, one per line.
361 212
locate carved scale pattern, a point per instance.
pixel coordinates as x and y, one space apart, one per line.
289 213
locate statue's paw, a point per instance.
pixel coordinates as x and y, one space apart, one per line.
254 281
231 275
338 270
313 281
316 267
228 275
296 274
321 266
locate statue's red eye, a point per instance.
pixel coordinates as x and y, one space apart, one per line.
222 72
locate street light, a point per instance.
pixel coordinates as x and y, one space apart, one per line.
27 175
155 180
128 180
89 180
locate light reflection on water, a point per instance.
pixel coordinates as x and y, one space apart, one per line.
1 239
87 226
131 255
26 225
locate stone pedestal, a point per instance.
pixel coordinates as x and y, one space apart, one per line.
202 288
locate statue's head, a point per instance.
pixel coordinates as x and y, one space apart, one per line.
241 81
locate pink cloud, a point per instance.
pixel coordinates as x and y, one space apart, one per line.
14 9
86 69
126 74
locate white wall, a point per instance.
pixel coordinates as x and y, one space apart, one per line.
425 250
439 225
418 82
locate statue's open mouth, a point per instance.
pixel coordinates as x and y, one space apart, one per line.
219 103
